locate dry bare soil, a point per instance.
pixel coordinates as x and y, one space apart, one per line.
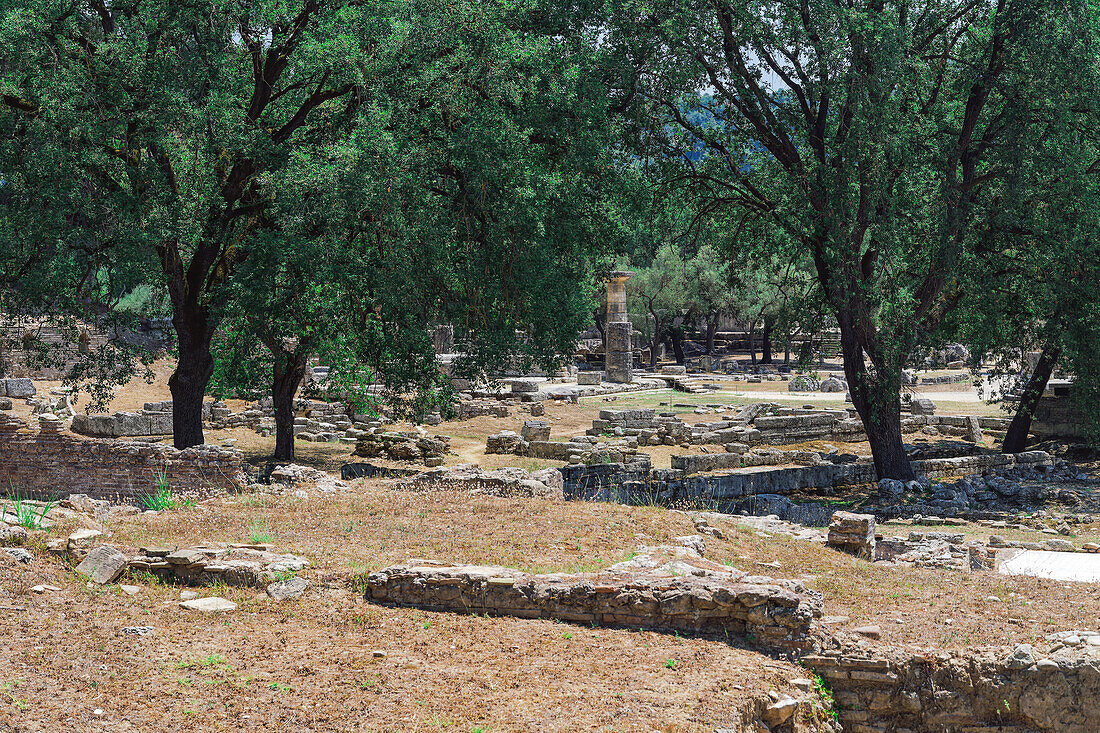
331 661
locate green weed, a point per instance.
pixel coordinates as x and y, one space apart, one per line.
28 514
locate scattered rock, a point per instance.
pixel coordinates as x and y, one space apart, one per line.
1022 657
209 605
103 564
12 534
130 590
780 712
871 632
80 542
18 553
1059 546
137 630
188 595
286 590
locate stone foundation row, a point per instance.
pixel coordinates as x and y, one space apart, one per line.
667 588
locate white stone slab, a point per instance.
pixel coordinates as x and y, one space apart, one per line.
1079 566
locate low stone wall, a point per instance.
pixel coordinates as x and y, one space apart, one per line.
991 691
666 588
615 482
52 461
1058 417
123 424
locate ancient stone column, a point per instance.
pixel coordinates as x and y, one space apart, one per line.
620 357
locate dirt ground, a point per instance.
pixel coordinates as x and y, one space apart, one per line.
310 664
331 661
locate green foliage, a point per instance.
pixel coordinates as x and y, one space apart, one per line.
317 179
259 533
28 513
866 137
162 497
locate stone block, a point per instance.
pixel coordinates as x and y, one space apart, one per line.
853 533
922 406
523 386
589 378
103 564
535 430
19 388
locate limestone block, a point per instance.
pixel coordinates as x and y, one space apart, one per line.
209 605
535 430
854 533
506 442
922 406
19 388
523 386
589 378
285 590
103 564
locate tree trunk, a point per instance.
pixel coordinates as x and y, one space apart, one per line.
875 397
600 318
767 341
676 336
193 370
712 329
752 342
787 351
1016 437
289 370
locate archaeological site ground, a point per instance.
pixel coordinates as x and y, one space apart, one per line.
541 366
581 557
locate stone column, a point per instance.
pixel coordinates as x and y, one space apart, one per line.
619 360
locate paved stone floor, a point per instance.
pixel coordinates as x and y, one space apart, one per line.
1083 567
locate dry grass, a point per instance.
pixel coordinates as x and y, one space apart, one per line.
309 664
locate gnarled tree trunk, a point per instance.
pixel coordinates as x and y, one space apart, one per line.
288 372
193 370
1016 437
875 395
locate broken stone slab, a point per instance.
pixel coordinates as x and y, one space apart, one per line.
853 533
18 553
12 534
780 711
80 542
545 483
285 590
103 564
213 604
19 388
669 588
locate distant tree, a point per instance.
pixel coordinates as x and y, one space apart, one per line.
186 125
866 132
658 297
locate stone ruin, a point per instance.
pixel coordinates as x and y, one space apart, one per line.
37 463
545 483
240 565
415 447
671 588
853 533
534 441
